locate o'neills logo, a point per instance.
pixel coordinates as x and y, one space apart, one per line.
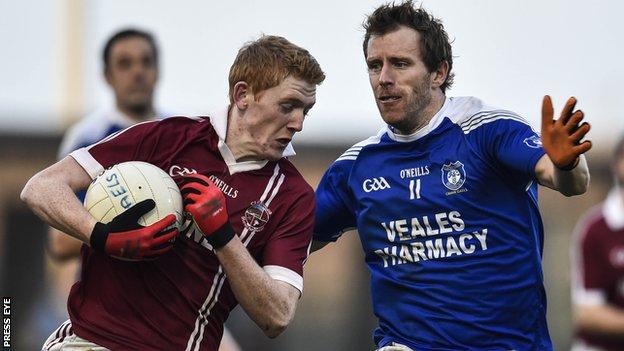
256 216
225 187
176 170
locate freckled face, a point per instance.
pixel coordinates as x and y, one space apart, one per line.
276 114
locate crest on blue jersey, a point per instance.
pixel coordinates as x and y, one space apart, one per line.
453 175
533 141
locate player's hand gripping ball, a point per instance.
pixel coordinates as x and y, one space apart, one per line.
205 203
138 208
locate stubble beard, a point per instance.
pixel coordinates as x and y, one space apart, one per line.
415 113
142 108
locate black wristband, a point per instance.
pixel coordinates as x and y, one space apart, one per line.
571 166
98 237
221 236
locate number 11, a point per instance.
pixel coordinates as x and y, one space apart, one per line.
414 191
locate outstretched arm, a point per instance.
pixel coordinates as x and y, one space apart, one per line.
564 167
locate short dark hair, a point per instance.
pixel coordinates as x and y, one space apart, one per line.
124 34
434 44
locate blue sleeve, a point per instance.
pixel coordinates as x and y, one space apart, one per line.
510 143
334 205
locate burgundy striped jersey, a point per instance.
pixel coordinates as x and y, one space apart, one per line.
598 266
181 300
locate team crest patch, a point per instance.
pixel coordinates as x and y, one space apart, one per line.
256 216
453 175
533 141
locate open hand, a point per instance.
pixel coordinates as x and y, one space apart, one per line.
561 138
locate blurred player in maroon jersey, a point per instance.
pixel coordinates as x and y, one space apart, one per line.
598 270
250 217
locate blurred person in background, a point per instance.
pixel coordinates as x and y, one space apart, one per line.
130 62
598 269
130 67
445 198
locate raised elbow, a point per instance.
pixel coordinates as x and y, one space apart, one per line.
27 192
278 320
275 327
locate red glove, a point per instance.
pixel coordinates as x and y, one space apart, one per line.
561 138
125 238
205 202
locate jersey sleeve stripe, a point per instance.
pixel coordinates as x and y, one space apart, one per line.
485 114
480 116
88 162
285 275
354 151
491 119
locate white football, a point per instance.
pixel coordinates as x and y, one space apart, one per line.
128 183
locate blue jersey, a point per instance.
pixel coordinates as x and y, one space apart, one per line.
449 222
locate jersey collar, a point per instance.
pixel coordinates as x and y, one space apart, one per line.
219 121
613 209
433 124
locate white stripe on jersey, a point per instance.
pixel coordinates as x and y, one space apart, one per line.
61 333
279 183
203 317
353 152
487 113
485 117
213 295
270 184
263 198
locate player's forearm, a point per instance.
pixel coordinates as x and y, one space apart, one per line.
263 298
568 183
55 203
574 181
600 320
